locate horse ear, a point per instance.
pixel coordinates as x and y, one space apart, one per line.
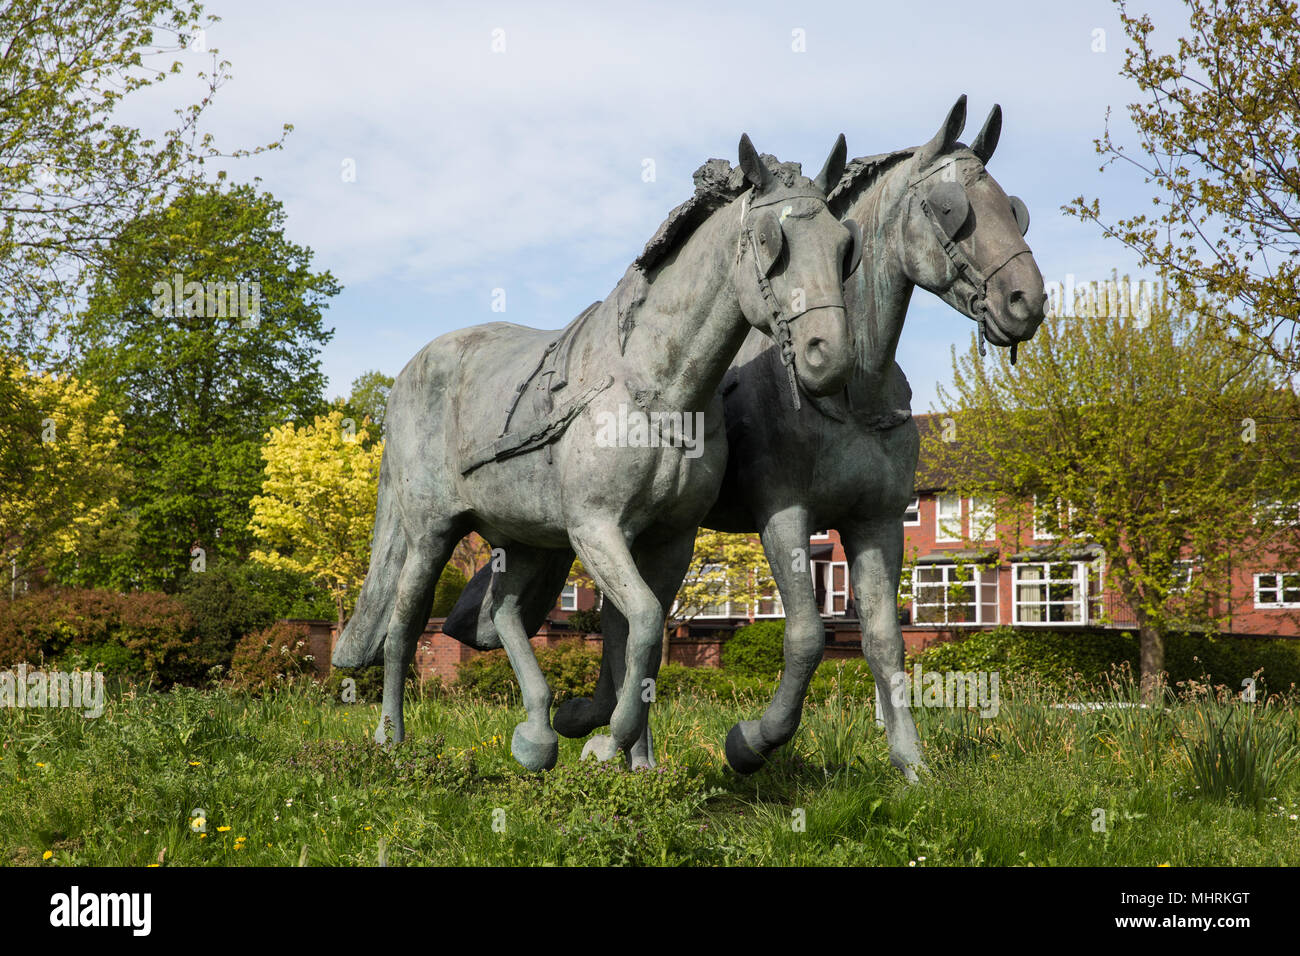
948 133
830 175
987 140
755 171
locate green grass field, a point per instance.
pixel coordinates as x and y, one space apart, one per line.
199 778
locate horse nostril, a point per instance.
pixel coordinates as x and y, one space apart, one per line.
815 352
1020 307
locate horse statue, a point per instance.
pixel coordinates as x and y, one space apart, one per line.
755 247
933 217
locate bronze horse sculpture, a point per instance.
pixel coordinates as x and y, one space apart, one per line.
755 247
931 217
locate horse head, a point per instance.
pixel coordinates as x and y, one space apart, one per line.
792 259
962 238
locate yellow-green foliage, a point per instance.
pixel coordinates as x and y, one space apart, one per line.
317 505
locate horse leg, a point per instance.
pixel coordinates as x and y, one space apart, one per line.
785 540
579 716
534 744
606 556
875 552
425 558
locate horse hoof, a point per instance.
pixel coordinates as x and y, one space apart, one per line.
535 753
574 717
740 755
642 762
602 747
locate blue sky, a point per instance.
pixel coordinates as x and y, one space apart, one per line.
522 169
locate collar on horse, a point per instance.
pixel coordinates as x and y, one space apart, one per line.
967 270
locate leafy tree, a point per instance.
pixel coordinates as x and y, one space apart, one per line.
317 506
204 326
369 398
70 176
59 508
724 567
1219 122
1151 438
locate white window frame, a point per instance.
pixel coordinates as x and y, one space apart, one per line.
1278 586
913 508
702 615
827 570
940 533
569 598
982 579
819 536
977 514
1078 580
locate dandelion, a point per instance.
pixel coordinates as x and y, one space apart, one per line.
222 829
195 763
40 765
48 854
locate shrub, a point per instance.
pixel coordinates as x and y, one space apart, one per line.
271 657
229 601
571 669
137 633
756 650
1054 657
585 622
447 592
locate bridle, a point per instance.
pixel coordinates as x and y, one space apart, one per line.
967 270
781 319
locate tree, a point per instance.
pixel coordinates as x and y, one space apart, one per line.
1220 125
70 177
204 327
59 509
1151 440
369 398
317 506
724 568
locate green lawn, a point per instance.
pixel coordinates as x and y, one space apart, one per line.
297 770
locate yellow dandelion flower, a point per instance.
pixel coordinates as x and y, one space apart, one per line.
222 829
195 763
152 865
48 854
40 765
203 836
239 846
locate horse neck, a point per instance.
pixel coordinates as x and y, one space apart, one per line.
690 324
879 292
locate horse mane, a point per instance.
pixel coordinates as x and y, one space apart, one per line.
717 184
861 174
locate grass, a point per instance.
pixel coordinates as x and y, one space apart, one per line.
211 777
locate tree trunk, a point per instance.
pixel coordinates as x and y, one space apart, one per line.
1152 651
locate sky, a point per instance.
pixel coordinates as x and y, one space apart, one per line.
442 151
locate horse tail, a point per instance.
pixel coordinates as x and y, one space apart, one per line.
362 640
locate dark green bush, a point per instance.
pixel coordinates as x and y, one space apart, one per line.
232 600
1054 657
571 669
756 650
450 583
585 622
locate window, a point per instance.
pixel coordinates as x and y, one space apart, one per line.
983 519
831 585
912 516
1183 573
770 605
714 573
820 534
1278 590
569 598
948 594
1052 518
1055 592
947 518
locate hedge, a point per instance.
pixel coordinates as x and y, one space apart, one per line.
1054 657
